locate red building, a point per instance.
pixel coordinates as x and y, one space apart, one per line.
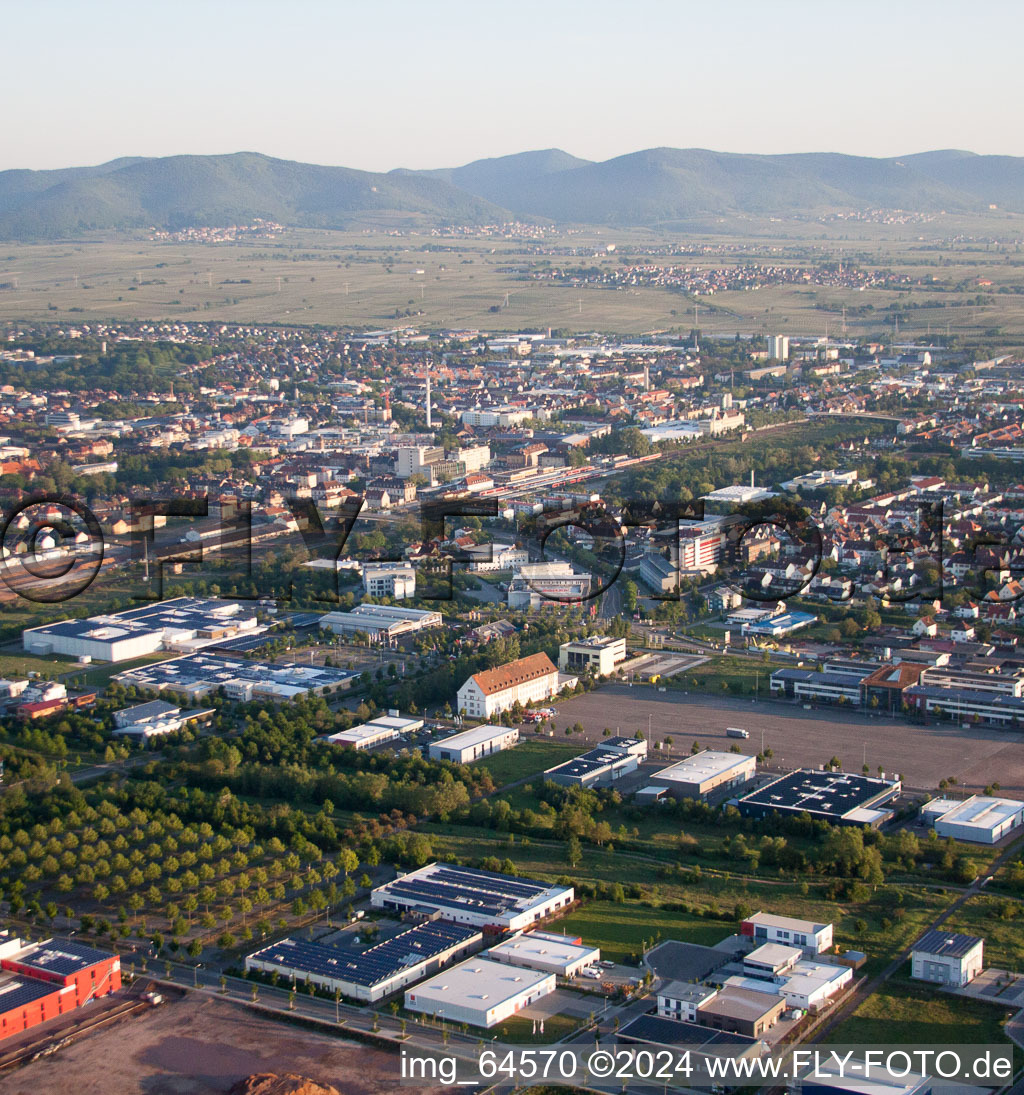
43 980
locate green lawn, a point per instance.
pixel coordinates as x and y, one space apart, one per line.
530 757
1004 938
15 666
907 1013
619 930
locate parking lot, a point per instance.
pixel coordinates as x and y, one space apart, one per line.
921 754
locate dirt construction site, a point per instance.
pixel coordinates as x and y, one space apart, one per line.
198 1045
921 754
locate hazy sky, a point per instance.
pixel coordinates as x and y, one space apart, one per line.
395 83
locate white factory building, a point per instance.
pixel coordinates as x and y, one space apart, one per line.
699 775
380 623
182 624
947 958
479 992
473 744
378 731
768 928
526 680
979 819
397 580
600 654
806 985
547 952
469 896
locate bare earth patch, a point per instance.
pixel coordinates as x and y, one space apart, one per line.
201 1046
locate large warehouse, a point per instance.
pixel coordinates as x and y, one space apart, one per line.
381 623
702 773
376 972
840 798
473 744
610 761
479 992
468 896
978 819
197 675
182 624
547 952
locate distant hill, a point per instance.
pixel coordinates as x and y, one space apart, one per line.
176 191
504 179
663 185
667 186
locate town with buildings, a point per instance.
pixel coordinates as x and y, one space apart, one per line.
592 673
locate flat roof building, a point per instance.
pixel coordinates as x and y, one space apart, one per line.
980 819
697 776
597 767
197 675
741 1011
368 735
947 958
381 623
547 952
840 798
473 744
181 624
768 928
372 974
598 653
469 896
480 992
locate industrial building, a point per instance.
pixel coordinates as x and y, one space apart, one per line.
381 623
526 680
198 675
536 584
978 819
840 798
741 1010
701 1041
479 992
601 654
947 958
769 928
181 625
372 974
397 580
806 985
468 896
473 744
616 758
367 735
547 952
816 685
43 980
154 719
705 772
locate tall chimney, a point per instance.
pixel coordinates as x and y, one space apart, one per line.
429 425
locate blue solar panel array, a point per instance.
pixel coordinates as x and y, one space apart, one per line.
63 956
377 964
23 991
676 1032
480 891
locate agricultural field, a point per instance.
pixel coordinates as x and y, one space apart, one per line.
429 280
